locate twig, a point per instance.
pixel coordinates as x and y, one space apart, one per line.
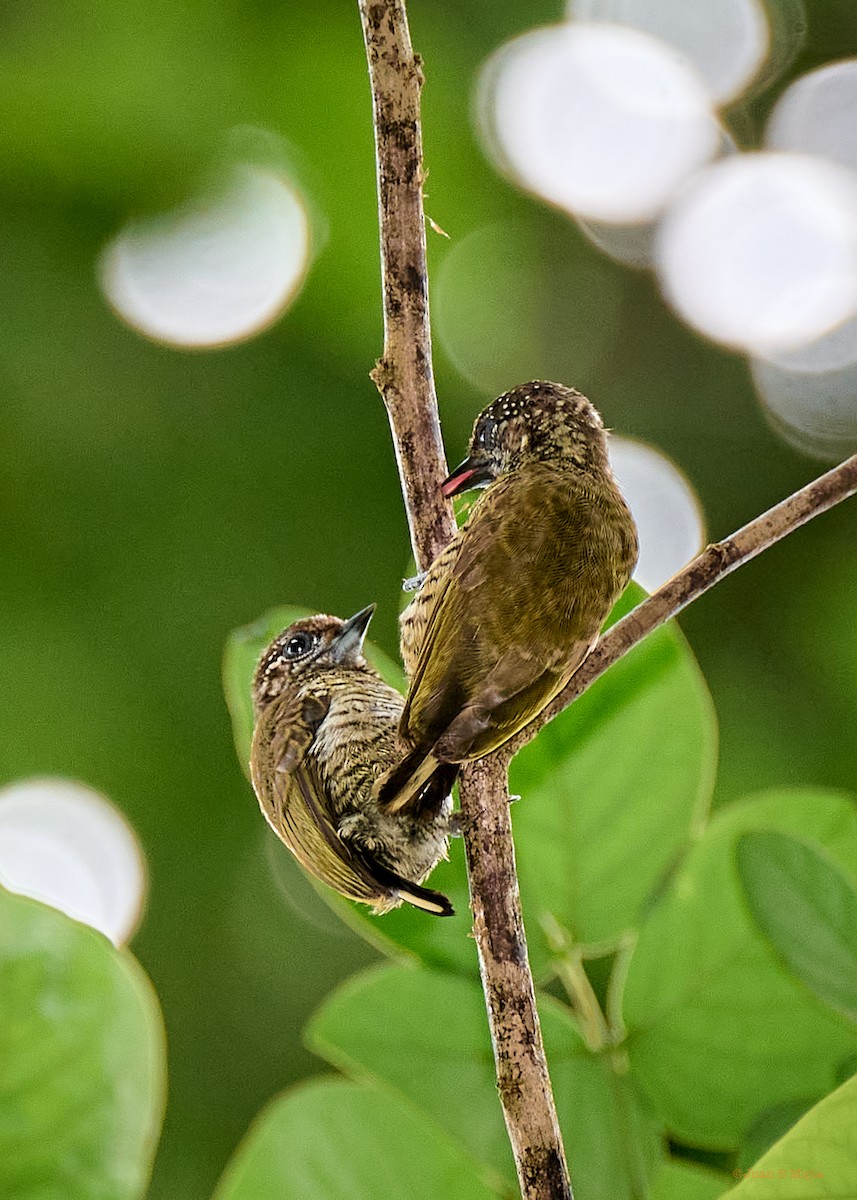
404 378
714 563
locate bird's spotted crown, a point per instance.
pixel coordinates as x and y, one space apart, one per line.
544 421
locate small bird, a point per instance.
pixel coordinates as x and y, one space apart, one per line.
514 604
325 730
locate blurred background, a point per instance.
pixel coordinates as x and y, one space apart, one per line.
154 496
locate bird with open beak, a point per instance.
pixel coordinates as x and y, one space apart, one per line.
325 730
511 608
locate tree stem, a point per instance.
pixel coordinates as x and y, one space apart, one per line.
405 380
404 374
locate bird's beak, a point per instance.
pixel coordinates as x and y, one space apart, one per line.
469 474
350 637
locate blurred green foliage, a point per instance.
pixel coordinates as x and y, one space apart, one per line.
151 500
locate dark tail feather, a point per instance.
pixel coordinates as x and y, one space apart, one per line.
420 897
397 778
432 797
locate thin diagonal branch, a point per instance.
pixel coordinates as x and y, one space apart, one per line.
404 378
714 563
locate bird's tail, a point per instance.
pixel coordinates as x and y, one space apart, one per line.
401 785
431 800
414 893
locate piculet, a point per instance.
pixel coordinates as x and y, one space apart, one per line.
510 609
325 730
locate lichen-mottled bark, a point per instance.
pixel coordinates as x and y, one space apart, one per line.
404 378
522 1070
404 374
714 563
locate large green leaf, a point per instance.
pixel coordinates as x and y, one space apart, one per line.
817 1158
335 1140
807 908
82 1074
718 1031
612 790
425 1033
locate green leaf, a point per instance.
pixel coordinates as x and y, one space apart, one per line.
426 1035
807 908
680 1180
334 1140
816 1159
243 648
82 1073
718 1032
612 790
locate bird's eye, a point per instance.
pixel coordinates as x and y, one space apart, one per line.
299 644
485 437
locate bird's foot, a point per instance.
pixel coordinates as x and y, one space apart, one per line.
414 582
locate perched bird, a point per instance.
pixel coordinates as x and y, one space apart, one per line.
511 608
325 729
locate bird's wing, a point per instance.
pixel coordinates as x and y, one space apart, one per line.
294 805
292 798
511 622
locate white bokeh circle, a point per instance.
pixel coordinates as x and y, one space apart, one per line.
218 269
601 120
664 505
759 251
814 411
634 245
68 846
817 114
835 351
727 42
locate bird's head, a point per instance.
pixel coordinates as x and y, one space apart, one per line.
538 421
310 645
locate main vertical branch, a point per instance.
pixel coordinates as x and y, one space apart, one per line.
404 375
498 925
405 380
